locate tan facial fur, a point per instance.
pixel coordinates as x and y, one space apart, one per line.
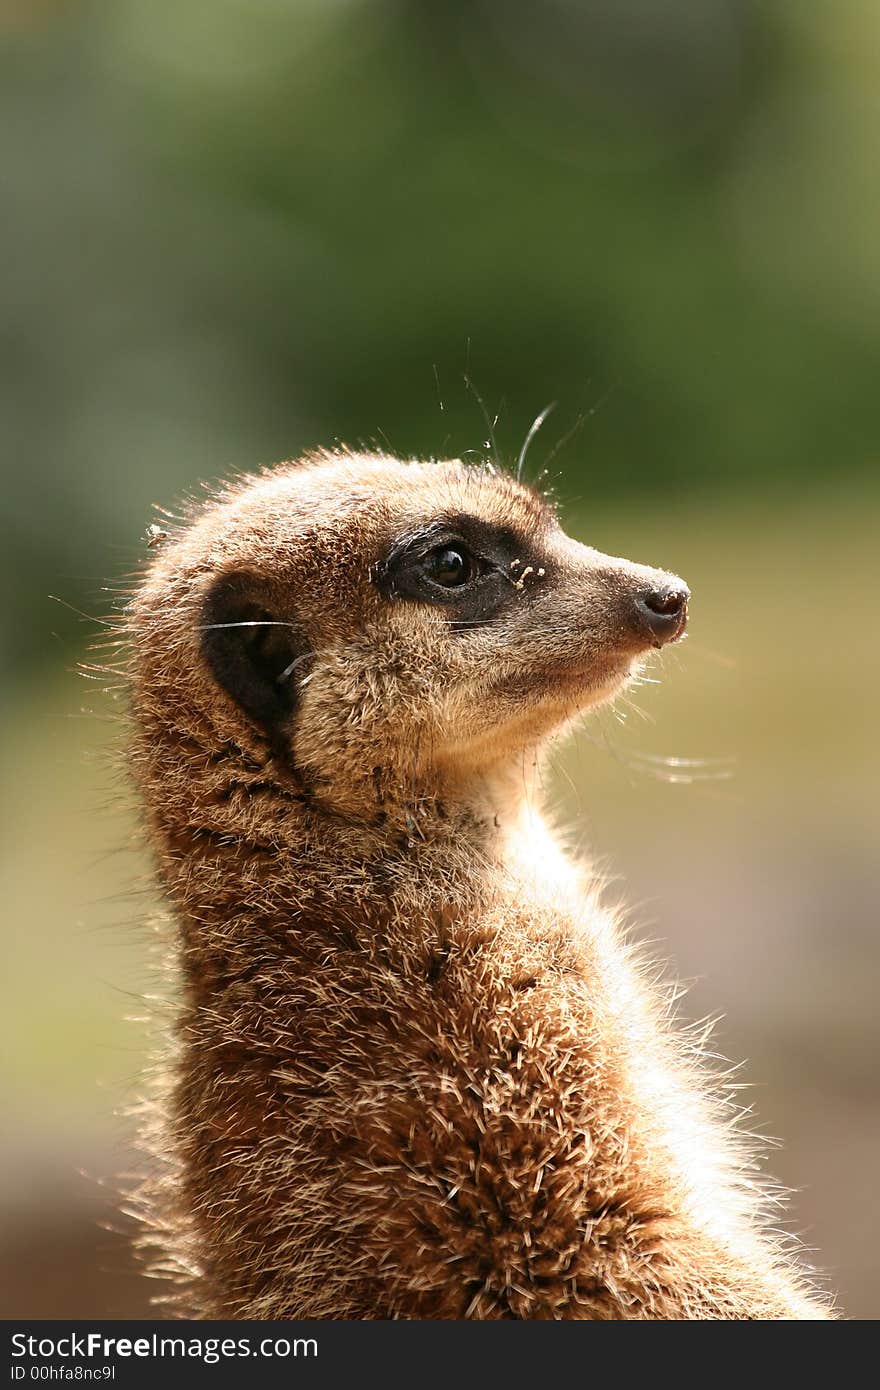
415 1071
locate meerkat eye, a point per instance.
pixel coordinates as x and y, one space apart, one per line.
451 566
457 567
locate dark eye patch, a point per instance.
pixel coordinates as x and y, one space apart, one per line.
460 564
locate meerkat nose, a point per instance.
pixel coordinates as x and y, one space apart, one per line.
664 609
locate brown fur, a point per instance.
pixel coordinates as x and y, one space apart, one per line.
416 1073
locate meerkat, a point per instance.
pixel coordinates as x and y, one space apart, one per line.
416 1072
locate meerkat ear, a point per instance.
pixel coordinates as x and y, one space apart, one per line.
252 651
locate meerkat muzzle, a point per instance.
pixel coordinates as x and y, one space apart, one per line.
663 610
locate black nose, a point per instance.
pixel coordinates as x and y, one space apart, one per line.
664 610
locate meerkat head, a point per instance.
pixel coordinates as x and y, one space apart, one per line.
363 623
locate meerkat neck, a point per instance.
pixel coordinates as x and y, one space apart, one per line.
253 865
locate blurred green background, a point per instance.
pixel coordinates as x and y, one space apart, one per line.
234 229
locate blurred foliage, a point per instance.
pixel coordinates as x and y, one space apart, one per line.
233 229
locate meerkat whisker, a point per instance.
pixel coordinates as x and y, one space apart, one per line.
87 617
255 622
532 431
